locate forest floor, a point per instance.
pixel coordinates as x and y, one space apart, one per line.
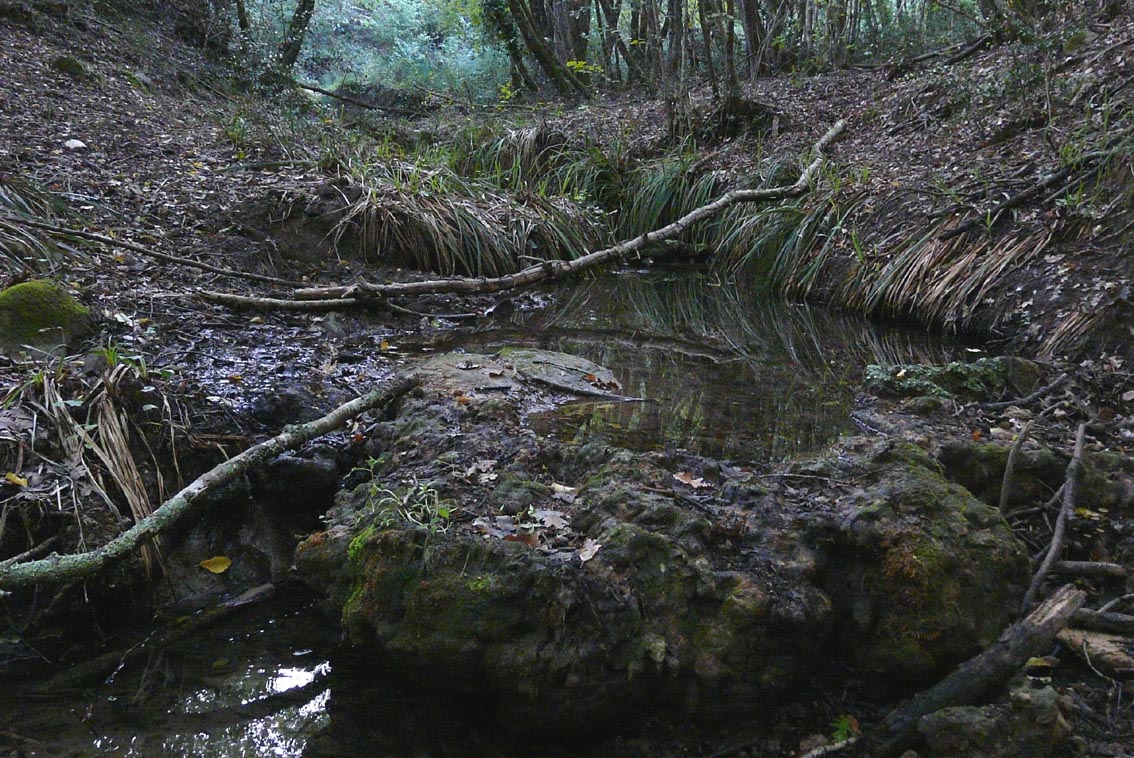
174 161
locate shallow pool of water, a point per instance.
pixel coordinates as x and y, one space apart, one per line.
718 373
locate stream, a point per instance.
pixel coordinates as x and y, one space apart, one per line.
712 372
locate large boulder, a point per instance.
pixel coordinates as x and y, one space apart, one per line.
573 585
922 574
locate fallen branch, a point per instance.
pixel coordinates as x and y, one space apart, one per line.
63 231
63 683
836 747
1055 549
1010 466
360 103
978 676
247 301
972 49
547 270
61 568
1055 383
1096 569
1103 621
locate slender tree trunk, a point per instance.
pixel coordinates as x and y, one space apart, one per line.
579 24
731 79
755 35
707 37
242 18
296 30
562 77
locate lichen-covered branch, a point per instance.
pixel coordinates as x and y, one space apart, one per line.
61 568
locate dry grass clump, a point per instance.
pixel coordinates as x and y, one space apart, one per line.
430 218
22 248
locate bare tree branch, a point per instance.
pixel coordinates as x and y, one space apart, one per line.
60 568
355 294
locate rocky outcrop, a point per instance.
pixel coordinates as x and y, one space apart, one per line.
618 581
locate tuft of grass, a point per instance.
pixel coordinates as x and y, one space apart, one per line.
660 193
428 217
23 248
541 160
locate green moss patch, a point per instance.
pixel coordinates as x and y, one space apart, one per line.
71 66
981 380
41 314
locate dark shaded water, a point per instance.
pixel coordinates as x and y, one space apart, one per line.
719 374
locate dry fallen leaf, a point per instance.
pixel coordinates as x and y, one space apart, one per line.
588 550
694 482
531 540
563 492
549 518
218 564
16 479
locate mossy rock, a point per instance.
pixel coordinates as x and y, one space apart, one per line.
71 66
565 644
140 81
985 379
40 314
922 574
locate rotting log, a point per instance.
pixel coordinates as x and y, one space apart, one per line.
362 292
62 568
978 676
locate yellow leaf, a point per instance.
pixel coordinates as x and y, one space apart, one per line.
16 479
384 346
217 564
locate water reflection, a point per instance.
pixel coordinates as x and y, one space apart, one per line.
249 687
724 373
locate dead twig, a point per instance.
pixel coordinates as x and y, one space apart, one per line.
1055 548
1031 398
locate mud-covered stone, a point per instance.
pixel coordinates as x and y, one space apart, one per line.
1029 726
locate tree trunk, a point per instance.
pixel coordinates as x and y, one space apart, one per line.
562 77
242 18
296 30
